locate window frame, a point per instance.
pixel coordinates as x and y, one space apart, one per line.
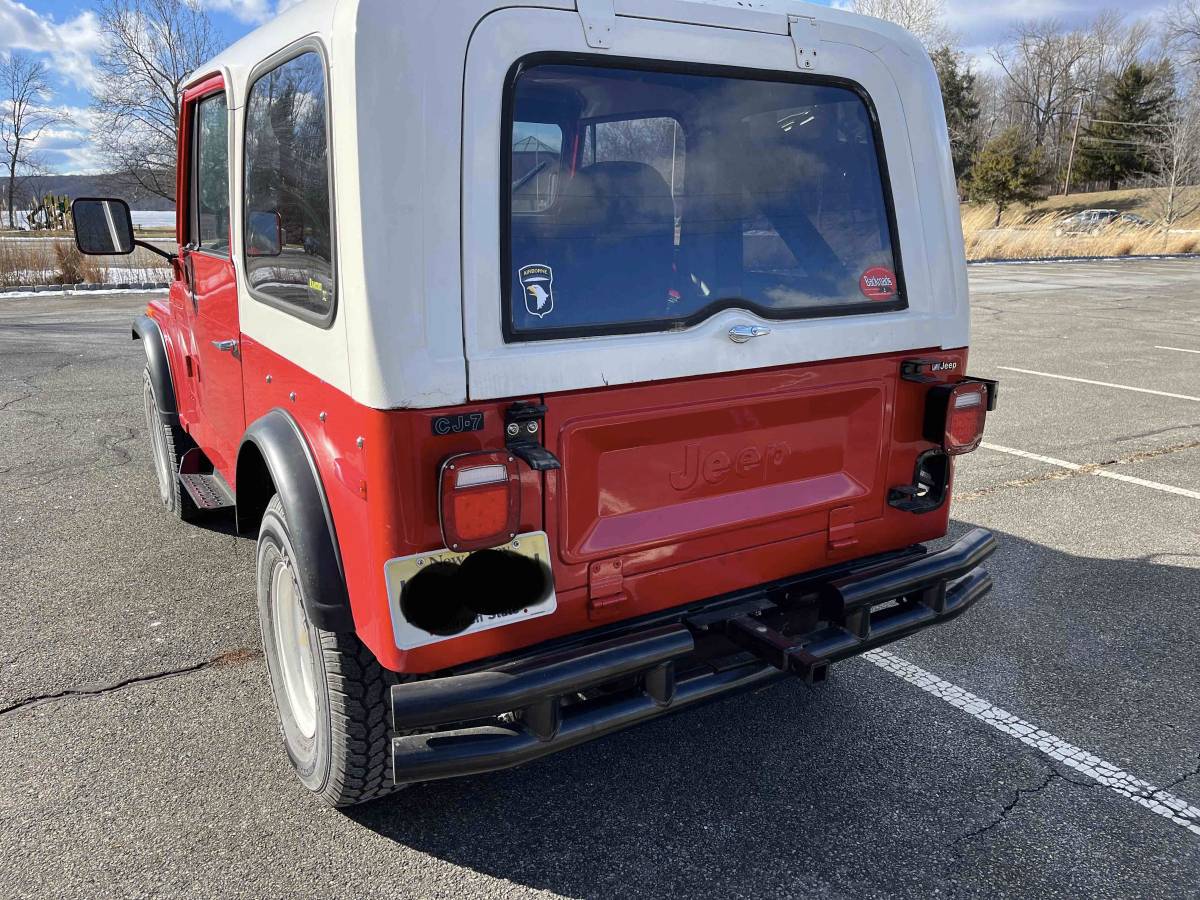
512 335
193 198
267 66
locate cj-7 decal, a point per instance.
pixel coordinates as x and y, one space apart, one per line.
538 281
457 424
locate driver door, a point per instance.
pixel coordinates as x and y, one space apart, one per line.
212 283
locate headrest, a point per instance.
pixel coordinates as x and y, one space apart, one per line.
628 194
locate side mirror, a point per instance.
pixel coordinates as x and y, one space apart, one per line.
264 233
103 227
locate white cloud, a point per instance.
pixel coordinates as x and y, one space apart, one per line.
68 44
984 25
253 12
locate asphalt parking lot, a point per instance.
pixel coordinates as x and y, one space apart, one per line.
1056 753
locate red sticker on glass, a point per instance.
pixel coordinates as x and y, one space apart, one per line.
878 283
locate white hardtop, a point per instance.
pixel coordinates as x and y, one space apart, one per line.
415 91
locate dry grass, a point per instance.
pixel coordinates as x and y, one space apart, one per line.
1030 234
25 262
75 268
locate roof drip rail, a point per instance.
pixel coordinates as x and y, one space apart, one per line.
599 19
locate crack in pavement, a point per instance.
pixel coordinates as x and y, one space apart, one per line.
26 381
1012 804
228 658
1194 772
1055 774
1087 469
109 443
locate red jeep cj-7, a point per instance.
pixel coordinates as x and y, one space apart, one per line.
574 361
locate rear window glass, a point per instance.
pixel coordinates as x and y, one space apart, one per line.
648 200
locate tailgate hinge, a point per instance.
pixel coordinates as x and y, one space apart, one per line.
606 587
806 36
842 525
522 431
599 22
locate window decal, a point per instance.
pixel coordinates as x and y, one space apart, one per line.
878 283
538 281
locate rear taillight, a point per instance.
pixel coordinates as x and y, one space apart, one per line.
480 500
955 415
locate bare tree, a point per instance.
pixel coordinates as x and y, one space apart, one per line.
924 18
1114 44
1175 167
148 49
1044 67
1183 29
23 119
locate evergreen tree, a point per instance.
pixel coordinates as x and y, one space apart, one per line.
1006 172
1118 144
961 101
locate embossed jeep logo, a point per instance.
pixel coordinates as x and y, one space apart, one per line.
751 463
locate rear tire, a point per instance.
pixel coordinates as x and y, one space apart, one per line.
332 696
168 442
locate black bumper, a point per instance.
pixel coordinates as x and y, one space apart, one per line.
500 717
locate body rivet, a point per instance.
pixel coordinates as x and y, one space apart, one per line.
513 429
323 417
358 443
268 379
292 396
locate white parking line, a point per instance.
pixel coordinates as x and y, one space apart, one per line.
1180 349
1105 773
1123 387
1103 473
1048 460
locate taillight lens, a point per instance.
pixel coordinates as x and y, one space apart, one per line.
955 416
480 500
965 418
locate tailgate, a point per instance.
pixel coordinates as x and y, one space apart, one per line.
666 473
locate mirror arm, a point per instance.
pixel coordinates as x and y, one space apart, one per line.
146 245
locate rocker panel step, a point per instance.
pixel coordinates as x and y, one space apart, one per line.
207 491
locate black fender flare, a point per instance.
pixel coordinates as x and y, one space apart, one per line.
293 470
147 331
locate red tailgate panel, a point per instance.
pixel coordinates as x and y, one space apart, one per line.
661 474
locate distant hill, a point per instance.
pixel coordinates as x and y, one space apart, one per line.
90 186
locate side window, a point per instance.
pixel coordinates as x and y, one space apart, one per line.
289 229
210 176
536 159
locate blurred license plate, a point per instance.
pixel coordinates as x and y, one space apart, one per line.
398 572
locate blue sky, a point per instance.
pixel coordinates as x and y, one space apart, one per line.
65 32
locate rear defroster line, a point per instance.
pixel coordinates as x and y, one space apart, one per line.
1104 773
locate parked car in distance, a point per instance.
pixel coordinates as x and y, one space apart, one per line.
1089 221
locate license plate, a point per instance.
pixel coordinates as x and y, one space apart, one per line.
398 572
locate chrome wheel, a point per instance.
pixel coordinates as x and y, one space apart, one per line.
294 647
158 444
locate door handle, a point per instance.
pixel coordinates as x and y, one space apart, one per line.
226 346
739 334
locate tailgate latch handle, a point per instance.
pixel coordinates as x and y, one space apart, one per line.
522 430
739 334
